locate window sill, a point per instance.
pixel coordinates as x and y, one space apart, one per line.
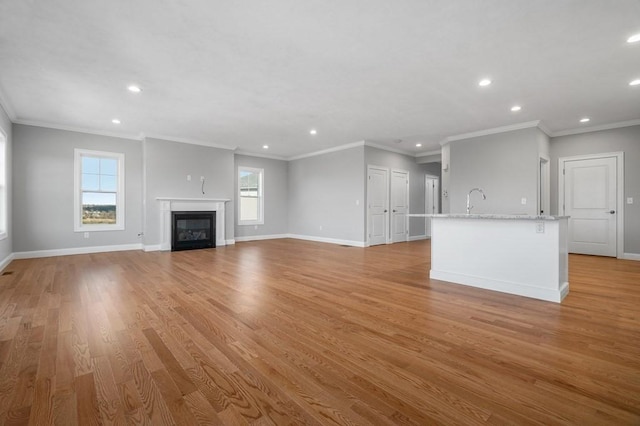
99 228
250 223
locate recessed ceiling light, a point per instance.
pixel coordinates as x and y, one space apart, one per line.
634 38
484 82
585 120
313 132
635 82
265 146
418 145
115 121
516 108
135 89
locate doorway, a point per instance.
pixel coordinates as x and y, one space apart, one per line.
399 205
590 191
432 200
377 205
544 187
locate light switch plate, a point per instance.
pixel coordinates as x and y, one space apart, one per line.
629 200
523 201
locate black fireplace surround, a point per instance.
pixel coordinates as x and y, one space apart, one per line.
193 230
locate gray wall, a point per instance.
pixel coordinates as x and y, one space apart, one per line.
417 172
323 191
504 165
276 198
627 140
6 245
43 175
167 165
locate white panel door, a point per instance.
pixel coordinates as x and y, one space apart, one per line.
590 200
399 205
378 205
432 189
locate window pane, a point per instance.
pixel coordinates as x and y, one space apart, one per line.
108 166
91 165
248 179
248 208
90 182
98 208
108 183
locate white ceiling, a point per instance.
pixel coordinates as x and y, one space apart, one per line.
248 73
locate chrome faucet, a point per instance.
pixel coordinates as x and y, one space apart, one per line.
469 206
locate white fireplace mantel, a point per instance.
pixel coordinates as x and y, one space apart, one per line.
173 204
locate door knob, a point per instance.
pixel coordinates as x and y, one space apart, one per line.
385 210
612 212
394 210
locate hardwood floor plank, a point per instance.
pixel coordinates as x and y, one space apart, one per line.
152 400
283 332
108 397
87 400
42 409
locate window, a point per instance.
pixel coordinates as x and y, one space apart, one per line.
3 185
99 191
250 186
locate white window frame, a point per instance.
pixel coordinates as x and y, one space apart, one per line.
77 186
260 220
4 233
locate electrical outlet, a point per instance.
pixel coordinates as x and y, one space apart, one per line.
321 227
629 200
188 178
357 202
523 201
86 235
540 227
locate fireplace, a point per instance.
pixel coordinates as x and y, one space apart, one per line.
193 230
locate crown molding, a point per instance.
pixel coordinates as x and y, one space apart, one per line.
189 141
389 148
429 153
493 131
36 123
260 155
6 106
544 128
590 129
327 151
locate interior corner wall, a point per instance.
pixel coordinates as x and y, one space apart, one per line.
625 139
326 196
43 184
6 245
503 165
276 198
417 173
166 166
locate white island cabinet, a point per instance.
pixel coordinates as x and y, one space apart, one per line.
523 255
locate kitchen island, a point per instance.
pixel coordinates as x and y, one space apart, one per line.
517 254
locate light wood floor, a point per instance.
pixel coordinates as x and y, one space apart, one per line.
294 332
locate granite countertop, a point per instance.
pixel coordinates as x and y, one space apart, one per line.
489 216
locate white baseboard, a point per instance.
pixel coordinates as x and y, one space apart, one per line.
631 256
548 294
418 237
261 237
78 250
6 261
327 240
230 242
151 247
